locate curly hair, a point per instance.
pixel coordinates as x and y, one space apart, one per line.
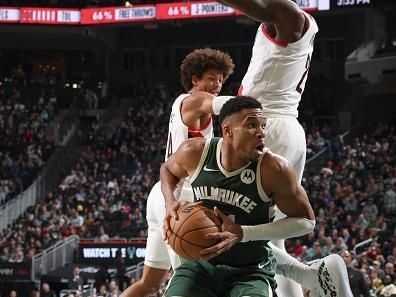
200 60
235 105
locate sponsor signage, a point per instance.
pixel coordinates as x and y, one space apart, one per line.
106 252
118 14
15 271
9 15
38 15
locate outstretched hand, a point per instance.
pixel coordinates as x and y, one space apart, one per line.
230 236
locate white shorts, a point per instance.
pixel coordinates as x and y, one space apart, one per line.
286 137
158 253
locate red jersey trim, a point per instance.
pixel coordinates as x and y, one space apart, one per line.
277 42
192 129
284 44
192 134
240 90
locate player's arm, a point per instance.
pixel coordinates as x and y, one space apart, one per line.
199 103
179 165
284 14
280 182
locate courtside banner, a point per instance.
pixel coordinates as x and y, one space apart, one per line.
58 16
9 15
15 271
105 252
118 14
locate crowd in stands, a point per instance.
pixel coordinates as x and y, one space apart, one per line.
26 140
104 195
354 198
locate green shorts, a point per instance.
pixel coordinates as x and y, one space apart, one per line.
205 279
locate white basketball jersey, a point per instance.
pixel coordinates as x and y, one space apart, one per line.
277 72
179 132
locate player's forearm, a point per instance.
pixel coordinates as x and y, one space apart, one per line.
168 183
282 229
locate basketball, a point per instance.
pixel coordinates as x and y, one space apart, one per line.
187 234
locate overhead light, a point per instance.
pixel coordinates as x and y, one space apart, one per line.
128 4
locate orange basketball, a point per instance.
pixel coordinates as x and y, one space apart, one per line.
187 234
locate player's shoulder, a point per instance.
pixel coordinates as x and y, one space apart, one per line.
193 145
180 98
275 164
276 173
197 97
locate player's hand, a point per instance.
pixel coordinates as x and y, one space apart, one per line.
230 236
171 211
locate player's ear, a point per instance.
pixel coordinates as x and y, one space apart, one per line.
194 80
226 130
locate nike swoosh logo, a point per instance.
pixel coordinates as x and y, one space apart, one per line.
261 266
209 169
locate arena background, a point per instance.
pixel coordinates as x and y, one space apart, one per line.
85 93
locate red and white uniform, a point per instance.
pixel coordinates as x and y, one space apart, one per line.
276 77
179 132
278 71
158 254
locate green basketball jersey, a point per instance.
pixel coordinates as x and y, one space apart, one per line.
238 194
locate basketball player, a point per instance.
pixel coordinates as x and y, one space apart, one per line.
245 180
203 72
276 76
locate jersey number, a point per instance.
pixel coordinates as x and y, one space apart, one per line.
169 145
304 76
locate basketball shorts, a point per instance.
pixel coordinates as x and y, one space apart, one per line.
205 279
286 137
158 253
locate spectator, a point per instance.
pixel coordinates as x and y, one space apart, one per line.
390 199
76 282
13 293
356 280
113 290
102 236
390 269
370 209
389 288
314 252
46 291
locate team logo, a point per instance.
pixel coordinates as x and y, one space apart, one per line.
209 169
248 176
